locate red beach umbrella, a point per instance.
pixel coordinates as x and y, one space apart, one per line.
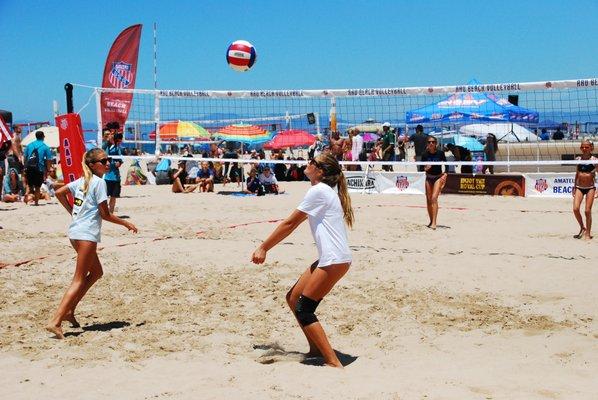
290 138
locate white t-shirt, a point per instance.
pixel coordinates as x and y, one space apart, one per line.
87 221
356 147
325 214
267 180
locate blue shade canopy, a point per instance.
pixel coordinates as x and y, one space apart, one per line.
471 107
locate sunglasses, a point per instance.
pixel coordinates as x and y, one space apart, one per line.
103 161
431 141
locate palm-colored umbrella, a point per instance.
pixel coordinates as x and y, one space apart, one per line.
181 129
290 138
248 134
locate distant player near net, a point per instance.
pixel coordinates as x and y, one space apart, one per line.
585 179
89 208
327 205
435 178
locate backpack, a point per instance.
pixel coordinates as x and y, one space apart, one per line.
32 162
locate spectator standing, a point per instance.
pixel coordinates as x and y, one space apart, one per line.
558 135
544 135
336 145
388 145
112 177
38 157
356 147
461 154
490 150
419 140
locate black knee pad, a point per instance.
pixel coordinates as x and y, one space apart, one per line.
305 309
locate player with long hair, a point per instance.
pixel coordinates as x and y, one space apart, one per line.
327 205
90 207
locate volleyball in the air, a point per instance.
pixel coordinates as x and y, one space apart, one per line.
240 55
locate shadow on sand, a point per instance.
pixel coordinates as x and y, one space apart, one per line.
274 353
108 326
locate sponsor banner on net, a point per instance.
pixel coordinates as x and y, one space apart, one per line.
549 184
386 182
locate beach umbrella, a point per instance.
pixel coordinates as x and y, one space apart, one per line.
370 137
369 125
290 138
247 134
181 129
51 138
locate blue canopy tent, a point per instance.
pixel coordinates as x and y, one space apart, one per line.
471 107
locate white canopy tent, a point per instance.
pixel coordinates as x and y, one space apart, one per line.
505 132
50 136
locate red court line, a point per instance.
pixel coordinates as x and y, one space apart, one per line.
269 221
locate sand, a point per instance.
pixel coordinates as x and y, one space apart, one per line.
499 303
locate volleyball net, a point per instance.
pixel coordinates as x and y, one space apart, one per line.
538 125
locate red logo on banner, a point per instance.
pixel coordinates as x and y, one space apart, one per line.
402 182
120 71
541 185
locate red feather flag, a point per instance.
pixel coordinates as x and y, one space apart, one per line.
119 73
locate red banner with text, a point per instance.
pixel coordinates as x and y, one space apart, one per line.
72 146
120 72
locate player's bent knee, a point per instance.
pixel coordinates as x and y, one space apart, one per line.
305 310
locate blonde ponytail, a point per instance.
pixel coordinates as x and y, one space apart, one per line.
343 195
333 176
88 158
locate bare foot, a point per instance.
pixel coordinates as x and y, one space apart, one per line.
56 330
339 365
429 225
587 236
580 234
73 321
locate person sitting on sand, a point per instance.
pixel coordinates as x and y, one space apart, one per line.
585 181
89 209
253 184
12 187
269 181
179 180
327 205
205 177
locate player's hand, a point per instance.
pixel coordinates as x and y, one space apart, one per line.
130 227
258 256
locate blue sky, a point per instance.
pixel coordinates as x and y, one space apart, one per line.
305 44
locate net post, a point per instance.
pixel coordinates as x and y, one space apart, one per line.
317 122
98 97
157 122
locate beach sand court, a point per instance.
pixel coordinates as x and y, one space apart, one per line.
500 302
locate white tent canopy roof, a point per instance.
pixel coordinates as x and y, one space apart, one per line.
506 132
51 136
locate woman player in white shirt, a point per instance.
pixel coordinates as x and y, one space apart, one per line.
327 205
89 208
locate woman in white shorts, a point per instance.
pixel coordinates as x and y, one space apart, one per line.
327 205
89 208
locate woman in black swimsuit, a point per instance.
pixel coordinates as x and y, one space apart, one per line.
584 186
435 178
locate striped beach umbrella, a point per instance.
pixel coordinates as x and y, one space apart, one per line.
181 129
248 134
